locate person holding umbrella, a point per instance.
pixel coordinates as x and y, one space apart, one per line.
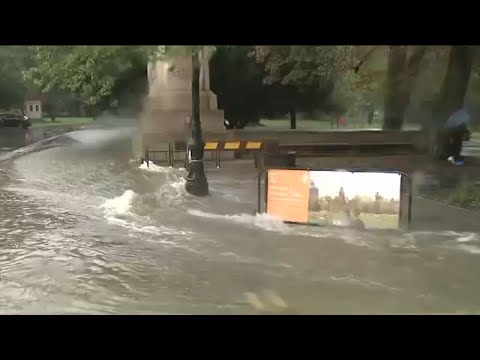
456 132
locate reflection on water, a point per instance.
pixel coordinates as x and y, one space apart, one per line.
83 230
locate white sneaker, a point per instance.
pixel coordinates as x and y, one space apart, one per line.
451 160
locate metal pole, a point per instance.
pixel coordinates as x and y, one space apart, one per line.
196 180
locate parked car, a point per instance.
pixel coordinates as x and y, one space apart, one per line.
12 120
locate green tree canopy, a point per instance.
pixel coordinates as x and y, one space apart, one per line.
96 74
12 86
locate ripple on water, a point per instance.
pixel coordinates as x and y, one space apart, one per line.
84 232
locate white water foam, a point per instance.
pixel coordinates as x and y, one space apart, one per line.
119 205
364 283
150 229
471 249
269 223
458 241
461 237
473 237
150 166
118 211
263 221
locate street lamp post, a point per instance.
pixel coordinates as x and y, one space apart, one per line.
196 180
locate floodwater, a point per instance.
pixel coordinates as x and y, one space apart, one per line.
85 231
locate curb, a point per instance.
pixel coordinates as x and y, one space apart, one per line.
29 148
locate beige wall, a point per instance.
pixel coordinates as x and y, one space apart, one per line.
169 102
176 75
33 109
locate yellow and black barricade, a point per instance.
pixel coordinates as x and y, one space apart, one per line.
169 149
233 145
219 146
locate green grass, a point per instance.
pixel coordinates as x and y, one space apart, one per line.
324 124
475 135
466 195
67 121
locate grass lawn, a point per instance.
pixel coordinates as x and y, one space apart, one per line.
318 125
310 124
475 135
466 195
62 121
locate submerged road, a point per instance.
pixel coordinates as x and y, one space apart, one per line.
83 230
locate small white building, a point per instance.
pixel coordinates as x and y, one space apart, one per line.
32 107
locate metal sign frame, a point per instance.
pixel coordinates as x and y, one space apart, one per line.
264 175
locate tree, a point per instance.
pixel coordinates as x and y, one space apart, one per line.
402 71
12 85
456 81
301 76
98 75
359 88
237 80
452 94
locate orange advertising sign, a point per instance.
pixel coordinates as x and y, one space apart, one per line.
288 194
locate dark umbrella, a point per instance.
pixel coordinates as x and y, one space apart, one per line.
458 118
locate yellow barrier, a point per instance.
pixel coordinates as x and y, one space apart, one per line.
254 145
211 146
232 145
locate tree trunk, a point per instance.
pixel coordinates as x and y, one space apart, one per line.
452 94
293 118
371 111
393 110
401 75
455 83
53 111
81 111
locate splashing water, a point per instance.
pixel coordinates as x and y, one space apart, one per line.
150 166
120 205
84 231
263 221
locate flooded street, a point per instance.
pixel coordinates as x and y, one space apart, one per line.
85 230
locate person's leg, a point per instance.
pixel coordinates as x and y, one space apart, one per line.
444 141
458 143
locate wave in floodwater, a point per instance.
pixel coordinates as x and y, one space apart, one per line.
263 221
85 230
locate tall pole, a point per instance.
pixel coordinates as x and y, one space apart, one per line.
196 180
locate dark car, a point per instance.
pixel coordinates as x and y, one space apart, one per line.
12 120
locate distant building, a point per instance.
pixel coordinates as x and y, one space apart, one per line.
32 106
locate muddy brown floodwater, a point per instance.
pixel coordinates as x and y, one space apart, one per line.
83 230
